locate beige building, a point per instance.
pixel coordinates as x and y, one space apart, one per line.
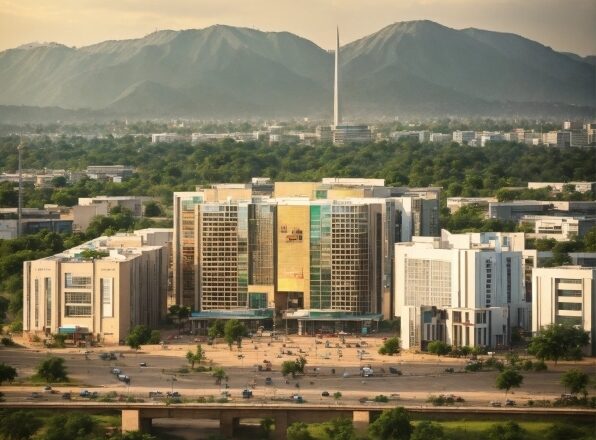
101 289
565 295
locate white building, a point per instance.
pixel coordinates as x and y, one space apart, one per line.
558 138
166 138
463 137
441 138
464 289
581 187
565 295
558 227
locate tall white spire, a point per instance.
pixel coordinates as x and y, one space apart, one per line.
336 115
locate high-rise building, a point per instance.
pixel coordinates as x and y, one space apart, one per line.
565 295
463 289
99 290
299 246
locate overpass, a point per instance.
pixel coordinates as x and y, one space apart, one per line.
138 416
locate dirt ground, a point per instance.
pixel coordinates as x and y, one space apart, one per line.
333 364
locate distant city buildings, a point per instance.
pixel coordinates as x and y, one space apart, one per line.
113 173
33 221
99 290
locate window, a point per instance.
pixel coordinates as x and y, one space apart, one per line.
572 293
456 316
78 311
568 281
77 297
569 320
48 289
70 281
570 306
36 299
106 297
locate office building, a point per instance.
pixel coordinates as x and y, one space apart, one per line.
454 204
557 187
561 228
441 138
113 173
99 290
565 295
558 138
463 137
133 203
166 138
463 289
295 246
33 220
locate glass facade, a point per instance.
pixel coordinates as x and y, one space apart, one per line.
320 257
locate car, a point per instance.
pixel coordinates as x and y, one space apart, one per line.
123 378
298 398
66 396
116 371
85 393
155 394
143 364
268 381
325 394
173 394
510 402
366 372
394 370
246 394
35 395
47 389
495 403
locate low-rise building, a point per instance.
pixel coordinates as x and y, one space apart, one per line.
114 173
454 204
557 187
99 290
463 137
558 227
565 295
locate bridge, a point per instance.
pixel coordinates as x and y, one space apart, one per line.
139 416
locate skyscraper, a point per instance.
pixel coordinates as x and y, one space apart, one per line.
336 110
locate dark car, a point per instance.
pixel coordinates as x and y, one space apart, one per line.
66 396
268 381
325 394
246 394
394 370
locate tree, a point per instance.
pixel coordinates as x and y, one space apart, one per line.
266 426
7 373
219 375
576 381
506 431
337 396
298 431
72 426
390 346
18 425
233 332
152 209
133 435
293 367
341 429
557 341
197 356
439 348
216 329
52 369
507 379
155 337
138 336
426 430
392 424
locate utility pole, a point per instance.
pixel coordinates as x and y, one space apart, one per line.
20 207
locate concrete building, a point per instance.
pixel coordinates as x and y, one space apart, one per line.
558 227
114 173
101 296
346 134
132 203
324 133
166 138
558 138
463 137
565 295
441 138
557 187
295 245
463 289
33 220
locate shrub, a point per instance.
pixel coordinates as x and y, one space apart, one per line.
474 366
527 365
381 398
540 366
390 346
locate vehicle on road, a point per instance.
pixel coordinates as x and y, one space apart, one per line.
173 394
297 398
394 370
155 394
35 395
85 393
495 403
510 402
47 389
246 394
116 371
66 396
366 372
325 394
268 381
123 378
143 364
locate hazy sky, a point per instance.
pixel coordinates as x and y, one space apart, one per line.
565 25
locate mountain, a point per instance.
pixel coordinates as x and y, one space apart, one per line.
418 67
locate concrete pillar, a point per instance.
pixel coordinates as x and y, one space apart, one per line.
228 424
132 421
281 425
361 420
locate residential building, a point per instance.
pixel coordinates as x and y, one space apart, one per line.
463 137
99 290
565 295
114 173
463 289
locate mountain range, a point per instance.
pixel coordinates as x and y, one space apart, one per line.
407 68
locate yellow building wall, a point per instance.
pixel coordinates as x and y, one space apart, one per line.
222 194
295 189
293 244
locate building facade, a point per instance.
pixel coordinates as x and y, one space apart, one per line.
565 295
102 288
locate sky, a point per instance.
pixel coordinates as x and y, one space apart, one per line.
564 25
